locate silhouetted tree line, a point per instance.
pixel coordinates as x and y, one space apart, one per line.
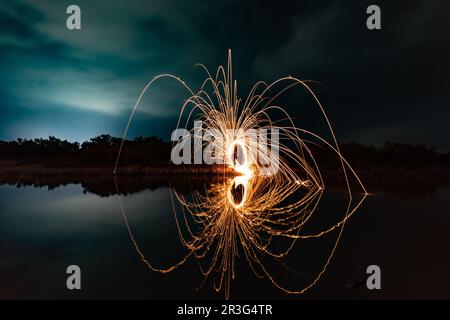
98 151
387 155
141 151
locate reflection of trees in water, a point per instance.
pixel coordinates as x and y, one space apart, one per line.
397 170
105 187
396 183
410 183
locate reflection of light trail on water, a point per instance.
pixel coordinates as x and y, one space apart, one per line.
248 212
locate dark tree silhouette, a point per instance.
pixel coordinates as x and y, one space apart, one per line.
145 151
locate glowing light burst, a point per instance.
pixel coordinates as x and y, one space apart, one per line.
245 214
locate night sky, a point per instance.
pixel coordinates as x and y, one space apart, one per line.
389 84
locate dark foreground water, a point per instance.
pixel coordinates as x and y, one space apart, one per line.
43 231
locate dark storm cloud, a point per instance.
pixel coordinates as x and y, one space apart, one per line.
50 75
389 84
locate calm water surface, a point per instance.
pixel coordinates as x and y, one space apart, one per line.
43 231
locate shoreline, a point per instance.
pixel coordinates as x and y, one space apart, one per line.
374 175
400 182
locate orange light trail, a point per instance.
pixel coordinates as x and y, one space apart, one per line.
248 212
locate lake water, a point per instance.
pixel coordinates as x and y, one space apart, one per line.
43 231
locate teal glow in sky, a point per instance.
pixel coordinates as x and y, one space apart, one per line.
79 84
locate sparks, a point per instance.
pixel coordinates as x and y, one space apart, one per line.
246 213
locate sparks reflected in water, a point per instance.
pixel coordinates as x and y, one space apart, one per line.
245 214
